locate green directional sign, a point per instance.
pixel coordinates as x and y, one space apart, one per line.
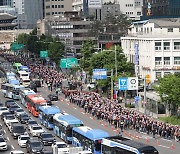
68 62
44 54
15 46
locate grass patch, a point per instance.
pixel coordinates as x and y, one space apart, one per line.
171 120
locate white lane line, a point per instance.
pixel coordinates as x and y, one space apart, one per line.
12 146
5 131
164 146
8 138
166 140
75 108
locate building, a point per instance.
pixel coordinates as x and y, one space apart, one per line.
71 29
28 12
8 9
158 41
56 7
6 21
160 8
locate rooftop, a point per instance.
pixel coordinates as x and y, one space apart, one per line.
6 16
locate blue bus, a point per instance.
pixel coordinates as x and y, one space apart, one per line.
23 93
63 124
119 144
13 81
88 138
11 90
46 114
10 75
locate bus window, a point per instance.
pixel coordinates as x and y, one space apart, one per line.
98 145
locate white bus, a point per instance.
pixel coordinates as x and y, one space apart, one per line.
11 91
25 82
23 75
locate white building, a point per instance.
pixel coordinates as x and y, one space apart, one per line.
159 46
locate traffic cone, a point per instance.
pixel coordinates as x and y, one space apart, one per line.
117 130
105 125
147 140
135 136
112 128
138 137
157 142
125 133
172 146
100 122
129 134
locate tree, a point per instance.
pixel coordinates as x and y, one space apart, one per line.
169 91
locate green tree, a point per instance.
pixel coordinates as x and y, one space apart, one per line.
169 91
56 50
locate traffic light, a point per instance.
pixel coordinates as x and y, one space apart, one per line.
148 79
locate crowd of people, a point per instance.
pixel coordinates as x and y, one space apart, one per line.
100 107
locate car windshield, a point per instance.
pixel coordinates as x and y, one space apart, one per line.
47 135
2 109
25 138
19 110
10 117
24 116
1 139
61 145
36 144
14 107
19 129
37 128
32 122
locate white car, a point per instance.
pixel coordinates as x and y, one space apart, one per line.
3 144
8 118
3 109
36 130
60 147
22 139
19 111
91 85
16 152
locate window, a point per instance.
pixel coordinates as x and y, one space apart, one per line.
158 60
52 6
157 46
166 46
166 73
158 75
176 45
176 60
166 60
170 29
138 13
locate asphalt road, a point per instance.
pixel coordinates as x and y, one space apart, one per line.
164 146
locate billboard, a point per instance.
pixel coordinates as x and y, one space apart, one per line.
99 74
128 83
94 3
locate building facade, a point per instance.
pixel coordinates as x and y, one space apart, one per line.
161 8
56 7
158 41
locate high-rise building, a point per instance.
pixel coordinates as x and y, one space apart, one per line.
161 8
56 7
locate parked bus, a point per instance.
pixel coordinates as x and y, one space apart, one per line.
23 93
11 90
90 139
118 144
33 102
17 66
46 114
63 124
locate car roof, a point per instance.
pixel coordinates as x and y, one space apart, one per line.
24 135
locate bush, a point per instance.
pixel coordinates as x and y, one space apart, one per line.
171 120
130 105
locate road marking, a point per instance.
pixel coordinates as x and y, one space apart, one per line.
166 140
12 146
5 131
75 108
164 146
8 138
146 137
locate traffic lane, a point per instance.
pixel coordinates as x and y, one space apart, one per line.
13 143
163 146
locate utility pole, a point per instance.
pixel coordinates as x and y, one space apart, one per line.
145 96
111 84
115 62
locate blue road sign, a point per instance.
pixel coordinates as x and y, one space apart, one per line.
123 83
99 74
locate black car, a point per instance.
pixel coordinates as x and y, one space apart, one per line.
34 146
37 82
9 103
49 102
1 104
23 118
53 97
47 138
33 86
13 108
17 129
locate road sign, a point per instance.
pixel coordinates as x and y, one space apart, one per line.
130 83
99 74
68 62
44 54
15 46
123 83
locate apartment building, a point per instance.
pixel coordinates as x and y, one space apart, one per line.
158 42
